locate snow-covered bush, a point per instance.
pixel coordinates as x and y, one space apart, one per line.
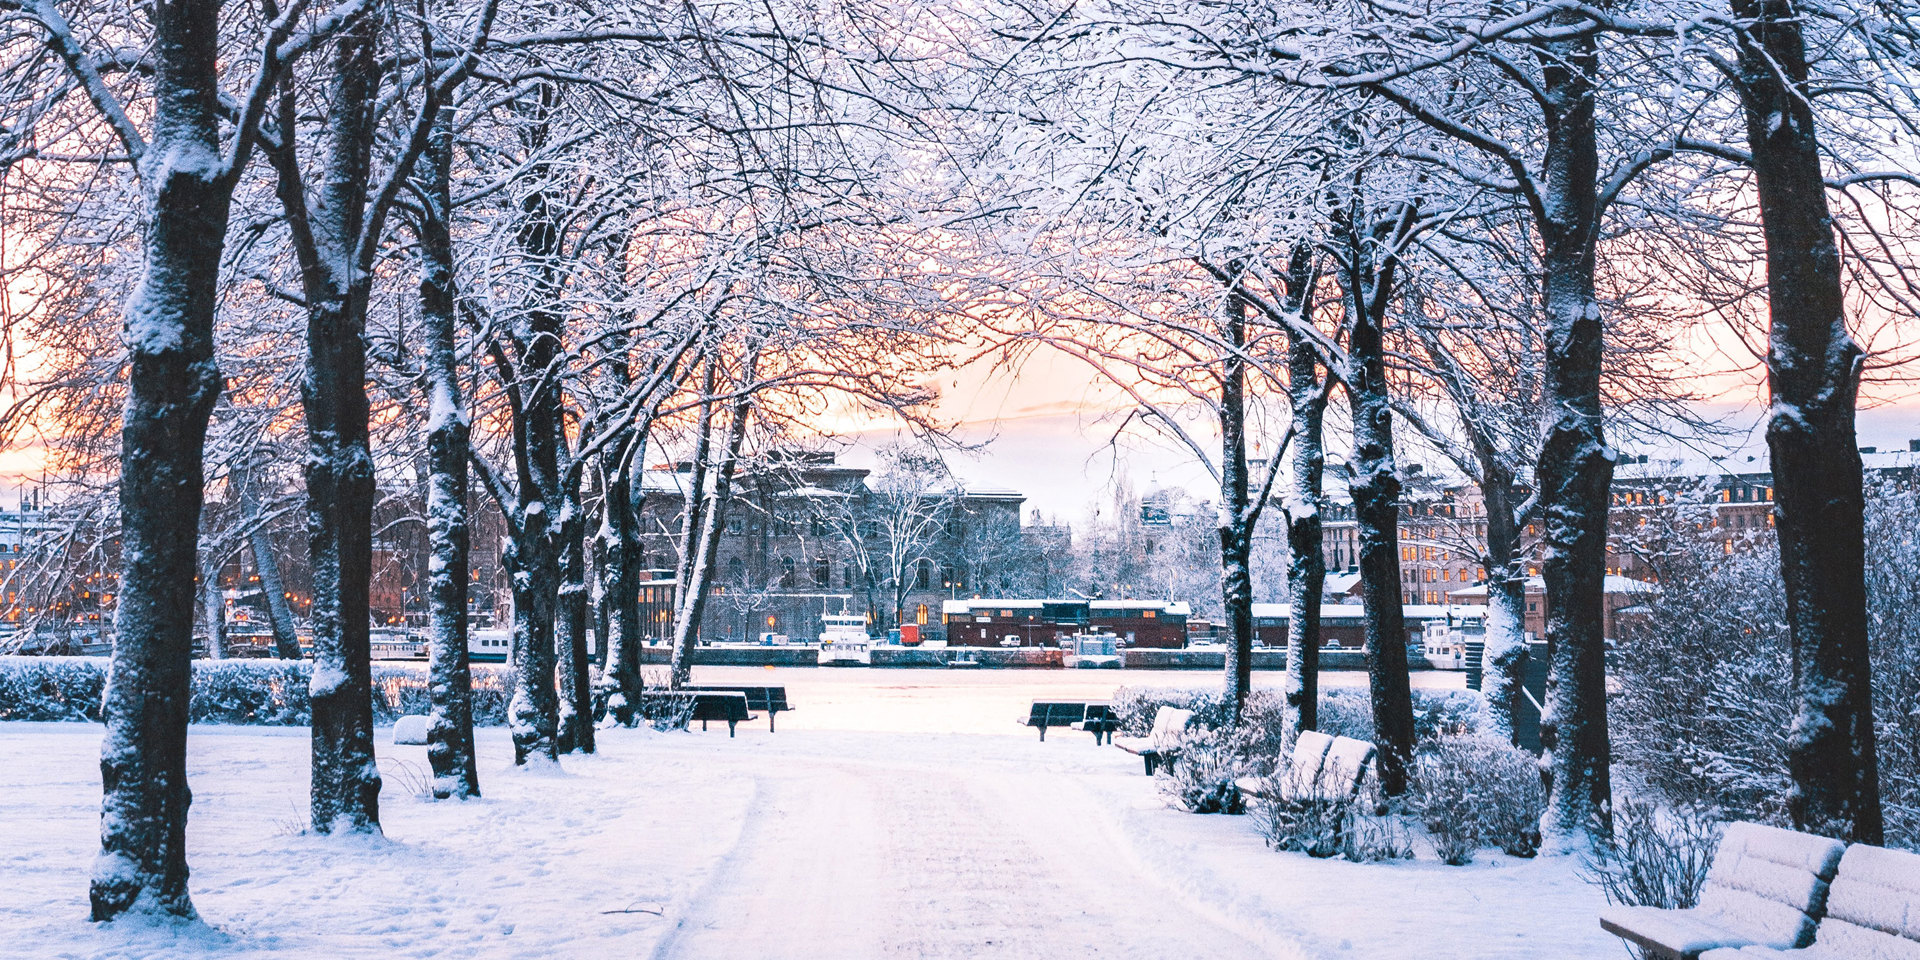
1656 857
51 688
1202 780
1706 679
1344 711
1473 792
260 692
663 710
1317 828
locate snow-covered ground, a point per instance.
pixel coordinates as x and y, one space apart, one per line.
851 833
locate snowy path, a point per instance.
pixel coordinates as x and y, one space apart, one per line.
841 836
890 860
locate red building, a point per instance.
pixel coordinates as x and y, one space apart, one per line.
1043 623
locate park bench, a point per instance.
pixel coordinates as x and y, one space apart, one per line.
1872 911
1161 746
1100 721
1321 768
771 700
1053 713
728 706
1764 888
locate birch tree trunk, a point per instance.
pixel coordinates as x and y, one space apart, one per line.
172 382
1235 520
692 606
1575 471
286 637
1813 368
214 609
450 750
1502 658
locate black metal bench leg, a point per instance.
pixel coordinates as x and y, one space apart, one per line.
703 726
771 714
1148 757
1043 733
731 724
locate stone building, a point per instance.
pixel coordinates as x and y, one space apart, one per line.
805 535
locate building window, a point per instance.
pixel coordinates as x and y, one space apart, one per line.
920 615
736 571
923 574
823 572
736 525
786 572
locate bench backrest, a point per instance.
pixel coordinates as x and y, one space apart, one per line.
758 698
1170 726
1050 713
1770 883
1303 765
1873 906
1345 766
720 706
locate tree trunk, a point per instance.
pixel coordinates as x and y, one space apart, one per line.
214 608
1502 658
1576 468
450 750
575 731
692 606
1376 503
1306 557
619 685
286 637
339 469
1236 519
1375 487
1813 368
172 382
533 703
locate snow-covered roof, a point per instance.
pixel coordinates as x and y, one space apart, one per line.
1614 584
1177 608
812 492
1354 611
1340 583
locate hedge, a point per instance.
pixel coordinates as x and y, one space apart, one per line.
260 692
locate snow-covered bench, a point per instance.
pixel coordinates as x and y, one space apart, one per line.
1765 888
1160 747
1873 912
1321 767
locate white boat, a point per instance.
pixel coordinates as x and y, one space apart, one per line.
1445 646
488 645
396 643
844 641
1094 651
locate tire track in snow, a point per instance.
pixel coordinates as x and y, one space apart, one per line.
852 860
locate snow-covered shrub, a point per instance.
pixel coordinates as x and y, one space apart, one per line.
51 688
1655 857
663 710
1348 712
1472 792
1706 680
260 692
1202 780
1374 839
1315 827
